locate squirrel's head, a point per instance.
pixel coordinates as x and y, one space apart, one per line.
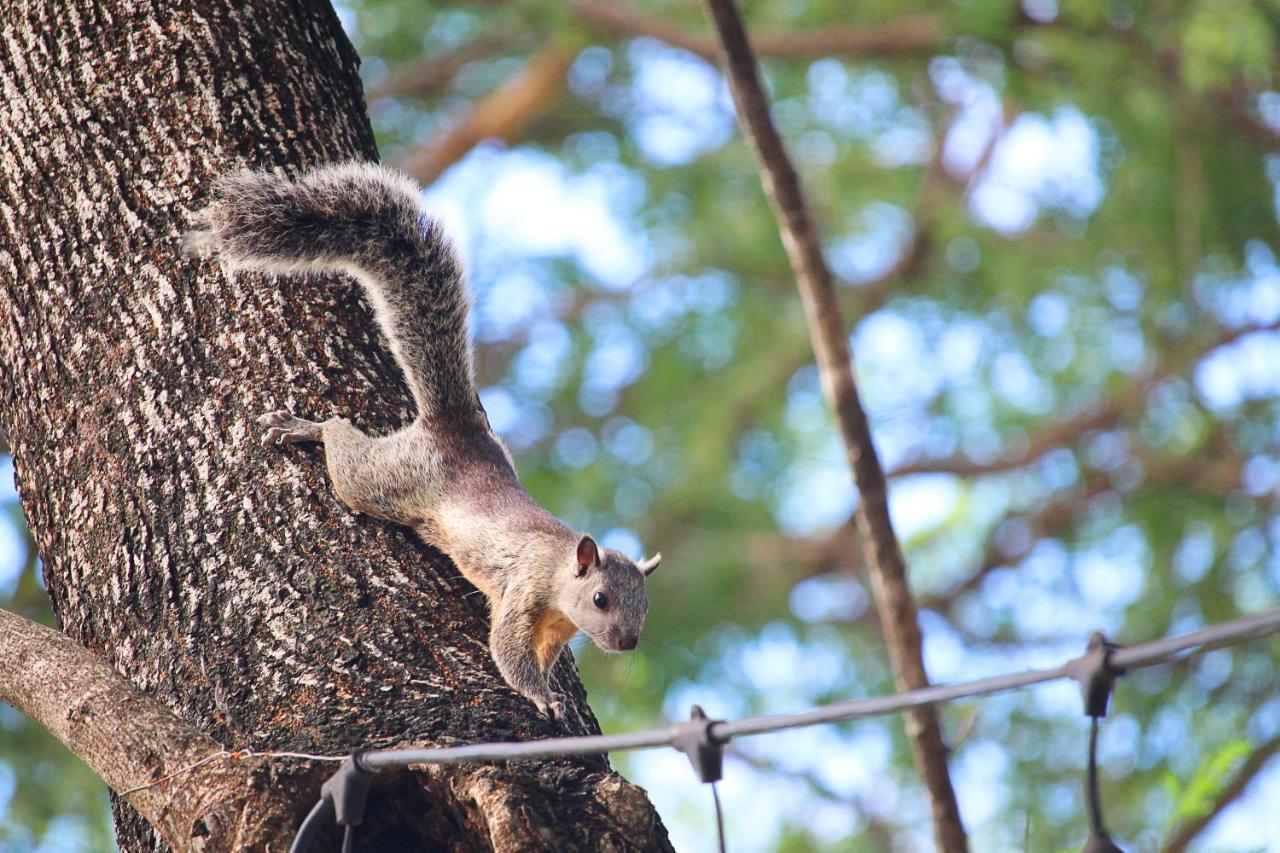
606 598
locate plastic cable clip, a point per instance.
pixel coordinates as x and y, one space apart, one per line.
705 753
348 789
1096 675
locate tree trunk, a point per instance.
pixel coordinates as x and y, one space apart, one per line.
225 579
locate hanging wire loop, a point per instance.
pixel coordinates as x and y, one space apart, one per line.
342 798
1097 675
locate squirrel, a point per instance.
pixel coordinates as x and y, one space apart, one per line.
446 474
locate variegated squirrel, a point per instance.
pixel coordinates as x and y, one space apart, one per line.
446 474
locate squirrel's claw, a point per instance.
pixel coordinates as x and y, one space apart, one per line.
553 706
283 428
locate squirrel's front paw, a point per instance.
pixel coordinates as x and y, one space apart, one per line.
284 428
552 706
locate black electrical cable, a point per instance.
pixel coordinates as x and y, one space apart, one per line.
720 732
1136 656
715 798
312 825
851 708
1098 841
1202 641
1095 799
378 759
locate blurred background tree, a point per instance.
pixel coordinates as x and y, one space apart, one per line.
1056 232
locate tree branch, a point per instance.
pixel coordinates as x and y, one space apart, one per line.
1216 471
1234 102
906 35
1187 832
831 346
427 75
503 114
132 740
1098 414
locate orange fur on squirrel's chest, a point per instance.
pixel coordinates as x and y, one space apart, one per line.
550 633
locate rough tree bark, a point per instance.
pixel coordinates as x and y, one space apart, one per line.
225 579
130 739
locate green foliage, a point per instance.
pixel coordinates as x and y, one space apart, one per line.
53 787
1194 797
1225 38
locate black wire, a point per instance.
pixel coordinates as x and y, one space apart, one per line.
850 708
378 759
316 820
1135 656
715 798
1203 640
721 731
1095 799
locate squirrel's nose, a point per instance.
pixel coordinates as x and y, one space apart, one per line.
628 642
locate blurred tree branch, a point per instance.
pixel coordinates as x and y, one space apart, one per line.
1187 832
1215 470
494 357
503 114
793 351
428 75
1008 115
906 35
831 347
1214 475
1235 102
1100 413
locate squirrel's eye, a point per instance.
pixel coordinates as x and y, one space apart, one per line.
600 600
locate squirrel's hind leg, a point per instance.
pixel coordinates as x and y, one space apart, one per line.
395 477
347 452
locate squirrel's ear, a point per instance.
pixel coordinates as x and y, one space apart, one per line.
648 564
588 555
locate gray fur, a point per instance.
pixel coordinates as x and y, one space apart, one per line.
446 474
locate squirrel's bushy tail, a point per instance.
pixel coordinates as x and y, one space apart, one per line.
364 220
